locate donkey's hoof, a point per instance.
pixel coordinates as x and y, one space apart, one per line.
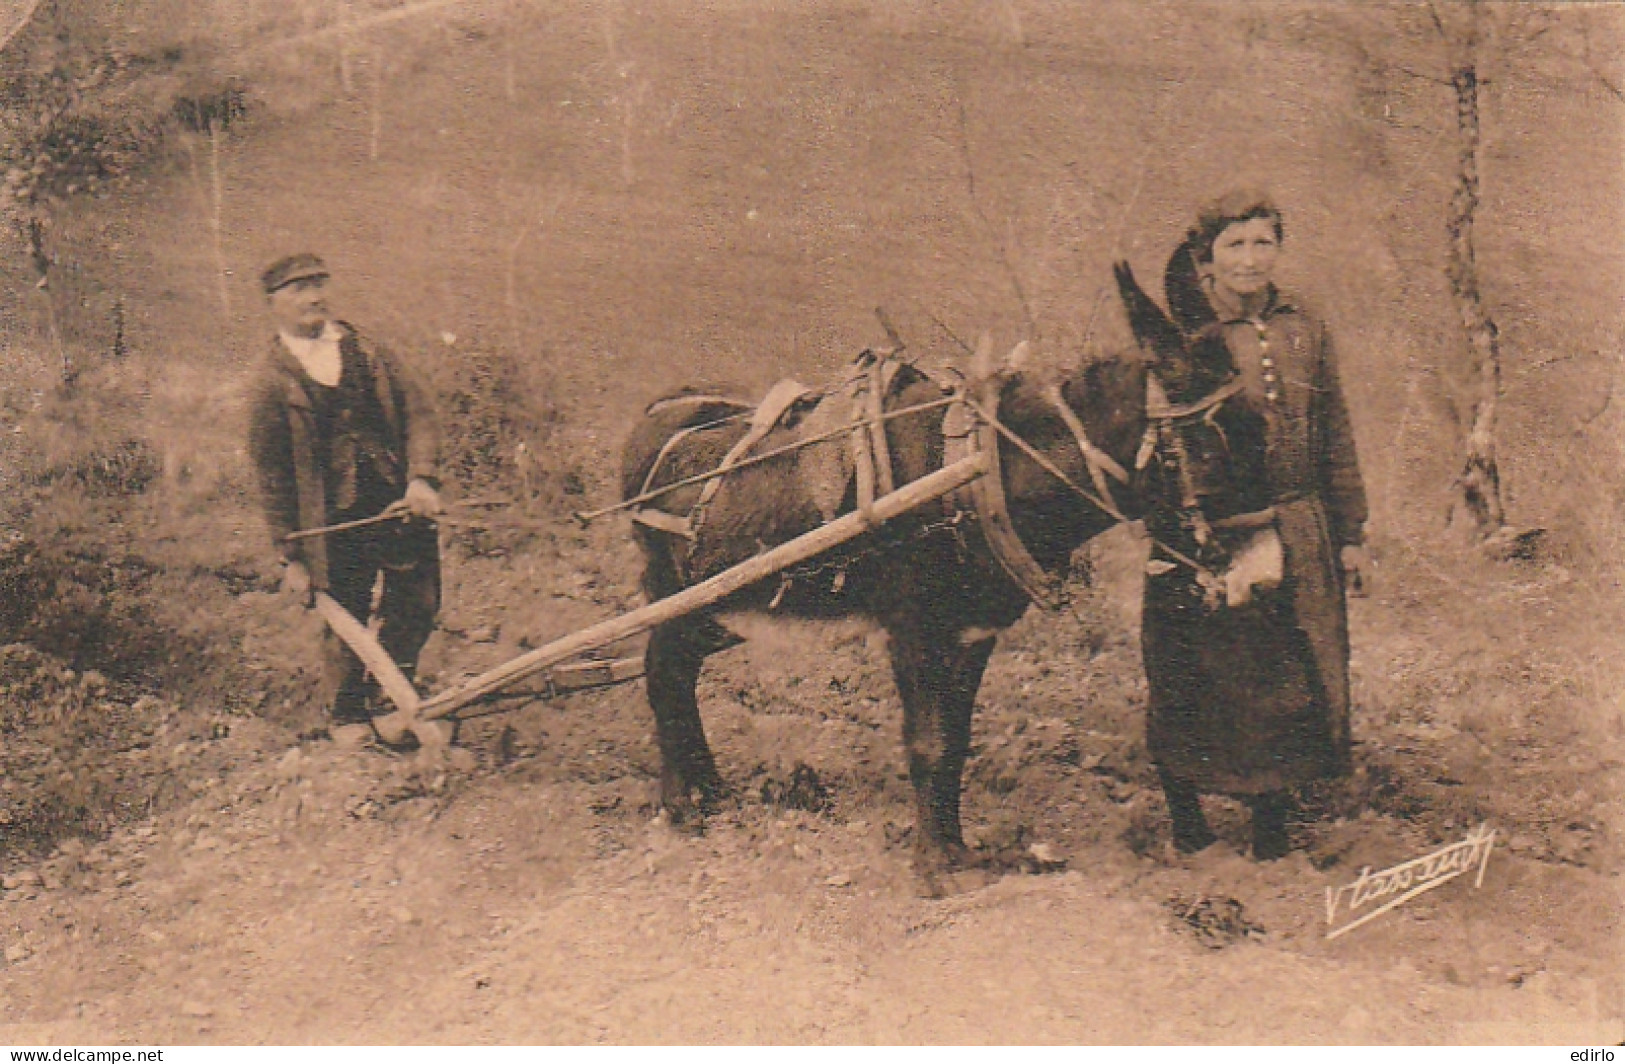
943 884
687 811
1034 860
949 868
684 816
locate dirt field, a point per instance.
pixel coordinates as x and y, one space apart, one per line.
560 213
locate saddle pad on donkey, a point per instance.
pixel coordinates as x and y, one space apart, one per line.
826 467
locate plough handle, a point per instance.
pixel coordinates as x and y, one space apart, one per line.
910 496
359 639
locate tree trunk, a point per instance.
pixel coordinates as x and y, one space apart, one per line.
1479 484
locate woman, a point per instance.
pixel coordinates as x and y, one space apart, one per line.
1252 700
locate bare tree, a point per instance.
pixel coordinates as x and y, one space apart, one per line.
1452 45
1479 482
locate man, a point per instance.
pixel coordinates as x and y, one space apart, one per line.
340 431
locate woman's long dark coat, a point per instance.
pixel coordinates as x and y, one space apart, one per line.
1254 699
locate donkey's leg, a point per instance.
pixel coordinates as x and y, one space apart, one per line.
937 680
671 665
689 783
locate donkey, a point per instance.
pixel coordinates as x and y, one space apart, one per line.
929 578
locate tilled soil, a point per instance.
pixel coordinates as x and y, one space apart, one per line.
524 889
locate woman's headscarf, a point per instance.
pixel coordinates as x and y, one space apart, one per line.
1182 280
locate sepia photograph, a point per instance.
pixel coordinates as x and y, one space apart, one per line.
812 522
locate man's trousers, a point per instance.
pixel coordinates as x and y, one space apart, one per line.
407 557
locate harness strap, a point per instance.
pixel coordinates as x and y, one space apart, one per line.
661 521
739 409
779 398
1100 463
694 399
1158 408
665 452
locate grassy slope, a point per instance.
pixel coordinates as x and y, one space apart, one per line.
630 200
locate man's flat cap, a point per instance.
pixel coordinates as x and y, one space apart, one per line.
301 267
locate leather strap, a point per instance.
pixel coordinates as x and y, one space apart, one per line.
779 398
694 399
1158 408
661 521
1099 463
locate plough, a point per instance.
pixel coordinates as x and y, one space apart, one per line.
969 463
420 716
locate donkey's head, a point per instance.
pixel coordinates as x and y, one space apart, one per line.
1209 438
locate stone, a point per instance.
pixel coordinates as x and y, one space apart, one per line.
1043 853
290 764
17 953
839 879
197 1010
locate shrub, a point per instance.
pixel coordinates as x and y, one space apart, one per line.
496 426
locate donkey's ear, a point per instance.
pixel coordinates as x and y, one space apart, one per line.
1020 358
1151 326
983 364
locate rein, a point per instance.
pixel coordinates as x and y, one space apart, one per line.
1202 571
1100 463
1017 562
986 501
755 459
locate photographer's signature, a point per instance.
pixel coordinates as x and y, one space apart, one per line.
1406 880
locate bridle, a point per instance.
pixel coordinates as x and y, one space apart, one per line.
987 495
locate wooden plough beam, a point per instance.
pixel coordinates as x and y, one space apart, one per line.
706 593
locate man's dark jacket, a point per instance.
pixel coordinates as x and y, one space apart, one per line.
283 444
